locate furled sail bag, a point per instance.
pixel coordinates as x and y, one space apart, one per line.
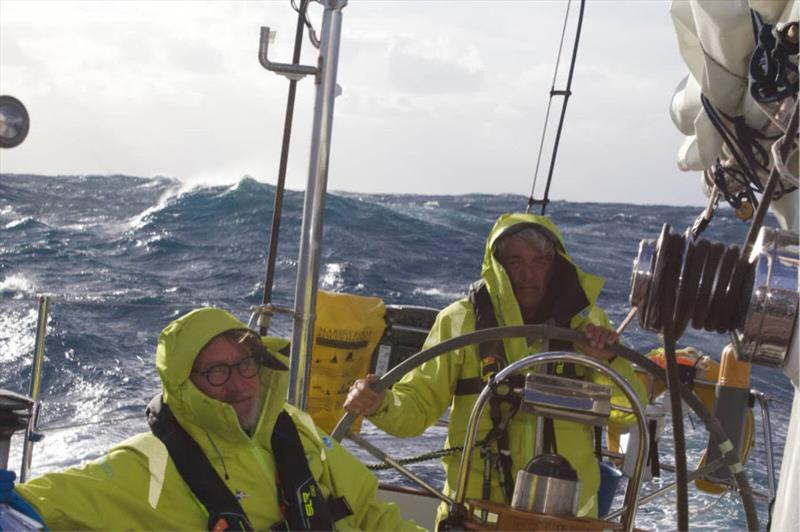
347 329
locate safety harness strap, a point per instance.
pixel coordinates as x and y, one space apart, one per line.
305 508
492 358
301 499
471 386
224 511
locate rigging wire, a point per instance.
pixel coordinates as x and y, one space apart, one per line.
566 93
272 253
549 105
302 10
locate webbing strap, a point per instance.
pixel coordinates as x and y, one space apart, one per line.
472 386
305 508
485 319
224 510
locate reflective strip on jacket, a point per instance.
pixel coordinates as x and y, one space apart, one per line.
136 485
422 396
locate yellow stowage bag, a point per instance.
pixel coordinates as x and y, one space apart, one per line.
346 330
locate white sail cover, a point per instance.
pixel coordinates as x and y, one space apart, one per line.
716 41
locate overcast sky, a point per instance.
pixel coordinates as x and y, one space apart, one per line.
443 97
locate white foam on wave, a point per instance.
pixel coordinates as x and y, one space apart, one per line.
233 187
437 293
140 220
17 284
14 223
216 178
17 333
332 277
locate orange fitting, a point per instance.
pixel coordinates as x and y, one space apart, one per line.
732 372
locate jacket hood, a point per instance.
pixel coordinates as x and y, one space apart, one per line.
178 346
577 290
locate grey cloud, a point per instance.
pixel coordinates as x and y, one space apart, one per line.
416 74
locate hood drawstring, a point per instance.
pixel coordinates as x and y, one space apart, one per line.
221 459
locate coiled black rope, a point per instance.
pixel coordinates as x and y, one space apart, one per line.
772 77
752 159
771 74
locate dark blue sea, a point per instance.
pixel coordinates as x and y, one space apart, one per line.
121 256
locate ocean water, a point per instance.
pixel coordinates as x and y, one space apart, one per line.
121 256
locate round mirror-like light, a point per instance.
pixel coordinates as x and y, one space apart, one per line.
14 122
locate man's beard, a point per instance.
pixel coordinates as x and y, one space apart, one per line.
251 418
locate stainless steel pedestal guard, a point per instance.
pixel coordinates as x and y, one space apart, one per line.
632 493
771 315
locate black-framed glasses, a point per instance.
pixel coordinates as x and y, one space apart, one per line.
219 374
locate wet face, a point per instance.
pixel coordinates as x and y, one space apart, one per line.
529 271
243 393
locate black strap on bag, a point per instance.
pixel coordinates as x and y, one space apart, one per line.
305 508
224 511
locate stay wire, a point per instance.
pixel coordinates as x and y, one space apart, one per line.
549 105
303 10
566 93
277 210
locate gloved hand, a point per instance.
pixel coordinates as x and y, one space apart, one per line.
9 496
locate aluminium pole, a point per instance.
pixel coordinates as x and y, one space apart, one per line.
314 205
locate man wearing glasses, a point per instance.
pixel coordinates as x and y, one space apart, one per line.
225 452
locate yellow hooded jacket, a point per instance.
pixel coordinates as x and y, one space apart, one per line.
421 397
136 485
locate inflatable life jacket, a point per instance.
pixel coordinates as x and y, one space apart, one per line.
301 498
347 329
